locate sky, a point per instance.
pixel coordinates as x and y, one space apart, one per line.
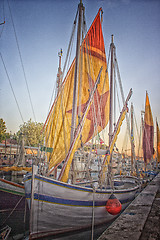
42 28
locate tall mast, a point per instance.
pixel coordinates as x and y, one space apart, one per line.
76 74
157 144
75 89
132 138
112 47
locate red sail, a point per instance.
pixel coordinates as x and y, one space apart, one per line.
148 133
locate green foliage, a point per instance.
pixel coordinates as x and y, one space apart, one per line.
2 130
32 132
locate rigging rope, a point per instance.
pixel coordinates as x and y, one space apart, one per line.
13 92
90 68
122 93
13 209
61 90
2 23
7 71
93 212
138 133
20 55
12 88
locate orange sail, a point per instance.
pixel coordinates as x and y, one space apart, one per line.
148 133
58 125
158 143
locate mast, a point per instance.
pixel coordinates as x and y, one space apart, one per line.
157 144
59 79
75 89
112 47
59 84
76 74
132 147
142 122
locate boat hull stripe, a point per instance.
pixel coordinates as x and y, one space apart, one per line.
69 202
84 189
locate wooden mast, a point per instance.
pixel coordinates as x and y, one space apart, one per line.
157 144
132 138
76 74
112 47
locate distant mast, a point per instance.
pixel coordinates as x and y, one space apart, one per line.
59 74
132 139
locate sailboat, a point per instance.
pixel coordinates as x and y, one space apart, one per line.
14 211
79 112
148 133
149 152
148 140
13 208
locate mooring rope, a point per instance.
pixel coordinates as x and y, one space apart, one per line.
93 213
13 209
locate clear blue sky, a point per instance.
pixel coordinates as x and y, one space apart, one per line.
43 27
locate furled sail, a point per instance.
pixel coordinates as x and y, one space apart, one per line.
114 138
58 125
158 143
148 132
115 135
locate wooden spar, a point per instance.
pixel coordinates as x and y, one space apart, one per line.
157 143
114 135
80 126
75 89
132 139
112 47
59 77
142 122
124 108
34 172
134 165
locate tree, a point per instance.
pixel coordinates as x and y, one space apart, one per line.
32 132
3 129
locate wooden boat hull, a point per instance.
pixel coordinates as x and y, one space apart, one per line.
13 209
60 207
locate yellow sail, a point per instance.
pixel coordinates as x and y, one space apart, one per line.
58 125
158 144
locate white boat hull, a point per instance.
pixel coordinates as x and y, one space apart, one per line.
60 207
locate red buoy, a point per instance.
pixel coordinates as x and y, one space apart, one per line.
113 205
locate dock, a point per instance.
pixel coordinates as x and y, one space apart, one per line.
141 219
